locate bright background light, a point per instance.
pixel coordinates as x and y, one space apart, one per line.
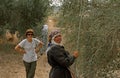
56 2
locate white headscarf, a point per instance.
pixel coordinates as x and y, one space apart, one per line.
53 42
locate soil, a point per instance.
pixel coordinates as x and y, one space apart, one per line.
11 66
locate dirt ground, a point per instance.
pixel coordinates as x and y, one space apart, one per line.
11 64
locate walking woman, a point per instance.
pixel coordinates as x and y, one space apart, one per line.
29 48
59 59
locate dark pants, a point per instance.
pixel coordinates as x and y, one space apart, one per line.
30 69
59 72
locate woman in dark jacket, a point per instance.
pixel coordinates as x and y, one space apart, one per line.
58 58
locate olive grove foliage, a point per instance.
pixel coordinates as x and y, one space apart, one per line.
18 15
94 26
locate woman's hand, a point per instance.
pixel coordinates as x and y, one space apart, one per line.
19 49
75 54
37 50
22 51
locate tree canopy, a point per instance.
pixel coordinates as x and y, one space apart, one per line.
18 15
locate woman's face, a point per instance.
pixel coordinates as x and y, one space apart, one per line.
58 39
29 35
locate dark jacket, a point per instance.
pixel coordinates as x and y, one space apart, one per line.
60 60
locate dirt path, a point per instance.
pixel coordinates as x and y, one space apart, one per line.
51 22
11 65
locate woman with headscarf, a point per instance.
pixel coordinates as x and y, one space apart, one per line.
58 58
